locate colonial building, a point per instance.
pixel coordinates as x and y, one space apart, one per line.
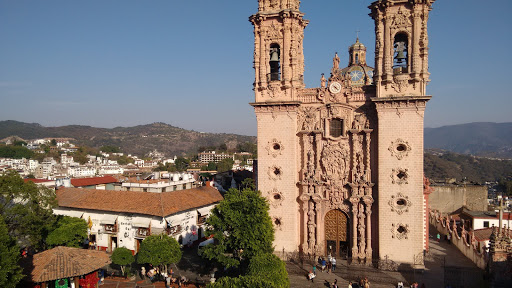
342 164
125 218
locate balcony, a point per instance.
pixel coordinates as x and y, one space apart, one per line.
110 228
142 232
174 230
201 220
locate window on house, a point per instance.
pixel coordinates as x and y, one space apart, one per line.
486 224
336 127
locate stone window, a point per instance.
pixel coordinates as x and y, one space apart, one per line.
336 127
400 53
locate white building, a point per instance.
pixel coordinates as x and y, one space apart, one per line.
81 171
125 218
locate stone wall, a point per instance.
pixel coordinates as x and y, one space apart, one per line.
448 198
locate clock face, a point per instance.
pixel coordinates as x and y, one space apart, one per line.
335 87
356 75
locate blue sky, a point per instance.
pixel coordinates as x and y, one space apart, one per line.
189 63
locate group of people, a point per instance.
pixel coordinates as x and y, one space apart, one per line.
329 265
413 285
155 274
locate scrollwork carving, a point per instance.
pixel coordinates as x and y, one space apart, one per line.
274 147
399 203
400 231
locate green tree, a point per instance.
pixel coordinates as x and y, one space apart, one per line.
16 152
241 227
181 164
110 149
53 142
27 209
212 166
10 271
122 257
69 232
268 266
159 250
223 147
242 282
225 165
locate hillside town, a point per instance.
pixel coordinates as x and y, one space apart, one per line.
333 192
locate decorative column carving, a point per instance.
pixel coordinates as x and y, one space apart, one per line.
362 232
388 48
354 201
311 227
368 201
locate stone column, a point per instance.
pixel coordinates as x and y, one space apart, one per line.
416 65
368 169
355 202
263 56
388 49
368 201
285 53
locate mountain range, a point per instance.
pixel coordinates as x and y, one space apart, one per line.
137 140
484 139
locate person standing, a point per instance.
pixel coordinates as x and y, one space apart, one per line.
333 261
143 273
438 238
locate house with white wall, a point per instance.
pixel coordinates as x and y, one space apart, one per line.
126 218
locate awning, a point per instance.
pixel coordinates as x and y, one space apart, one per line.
108 219
141 222
70 213
205 210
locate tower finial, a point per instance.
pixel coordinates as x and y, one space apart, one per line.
357 35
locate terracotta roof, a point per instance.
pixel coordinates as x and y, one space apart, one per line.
483 234
147 203
64 262
80 182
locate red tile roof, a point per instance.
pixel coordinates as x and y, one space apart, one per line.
64 262
81 182
483 234
147 203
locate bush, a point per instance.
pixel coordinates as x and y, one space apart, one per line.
242 282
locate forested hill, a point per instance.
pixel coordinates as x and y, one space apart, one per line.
480 138
439 165
137 140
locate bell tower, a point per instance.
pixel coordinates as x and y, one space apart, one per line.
401 76
278 52
279 69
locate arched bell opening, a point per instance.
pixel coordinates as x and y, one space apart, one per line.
337 234
275 62
401 53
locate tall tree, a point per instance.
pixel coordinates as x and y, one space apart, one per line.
27 209
10 271
225 165
241 227
69 232
181 163
159 250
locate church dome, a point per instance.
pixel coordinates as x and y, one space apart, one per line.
357 46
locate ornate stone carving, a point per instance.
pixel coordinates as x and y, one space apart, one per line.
274 172
278 222
276 197
399 176
400 231
311 226
358 175
274 147
399 148
335 160
274 89
308 120
401 19
400 82
399 203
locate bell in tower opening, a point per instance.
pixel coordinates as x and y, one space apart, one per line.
400 55
274 63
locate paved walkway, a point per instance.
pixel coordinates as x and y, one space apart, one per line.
444 257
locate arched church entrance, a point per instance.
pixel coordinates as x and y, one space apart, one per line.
337 234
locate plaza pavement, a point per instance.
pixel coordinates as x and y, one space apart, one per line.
441 255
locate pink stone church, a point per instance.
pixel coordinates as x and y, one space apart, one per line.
342 164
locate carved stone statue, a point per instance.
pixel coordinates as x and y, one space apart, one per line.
336 61
323 81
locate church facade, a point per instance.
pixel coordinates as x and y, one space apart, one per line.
342 164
